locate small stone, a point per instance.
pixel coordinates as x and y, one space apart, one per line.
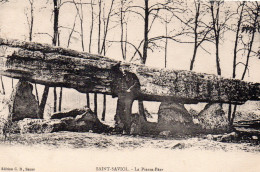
254 137
195 121
178 146
165 133
209 137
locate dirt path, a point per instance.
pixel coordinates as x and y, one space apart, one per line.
70 151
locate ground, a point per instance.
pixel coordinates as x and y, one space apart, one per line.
73 151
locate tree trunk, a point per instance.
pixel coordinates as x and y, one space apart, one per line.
60 100
122 30
54 43
217 57
36 93
104 108
55 100
193 57
95 104
145 48
166 43
195 35
88 100
43 101
248 55
2 84
32 21
229 113
146 30
232 116
90 43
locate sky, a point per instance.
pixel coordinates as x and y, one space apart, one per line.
13 24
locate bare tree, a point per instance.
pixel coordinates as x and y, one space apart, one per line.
198 30
216 29
122 16
241 5
249 27
56 6
90 41
219 26
149 12
106 21
30 22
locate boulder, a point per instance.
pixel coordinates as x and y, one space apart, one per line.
136 124
85 122
22 103
174 118
212 119
29 125
71 113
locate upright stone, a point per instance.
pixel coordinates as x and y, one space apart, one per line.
212 119
4 113
174 117
22 102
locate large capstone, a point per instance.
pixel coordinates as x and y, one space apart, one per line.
23 103
174 117
212 119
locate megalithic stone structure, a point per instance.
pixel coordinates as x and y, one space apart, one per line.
56 66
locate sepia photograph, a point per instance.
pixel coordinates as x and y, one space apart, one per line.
129 86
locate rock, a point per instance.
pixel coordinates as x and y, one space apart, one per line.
254 137
29 125
136 125
72 113
178 146
209 137
165 133
22 103
4 108
5 117
83 122
212 119
229 137
175 118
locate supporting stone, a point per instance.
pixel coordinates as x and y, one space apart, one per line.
23 103
124 111
174 117
212 119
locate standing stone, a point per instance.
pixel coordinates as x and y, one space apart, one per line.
4 113
23 103
174 117
212 119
